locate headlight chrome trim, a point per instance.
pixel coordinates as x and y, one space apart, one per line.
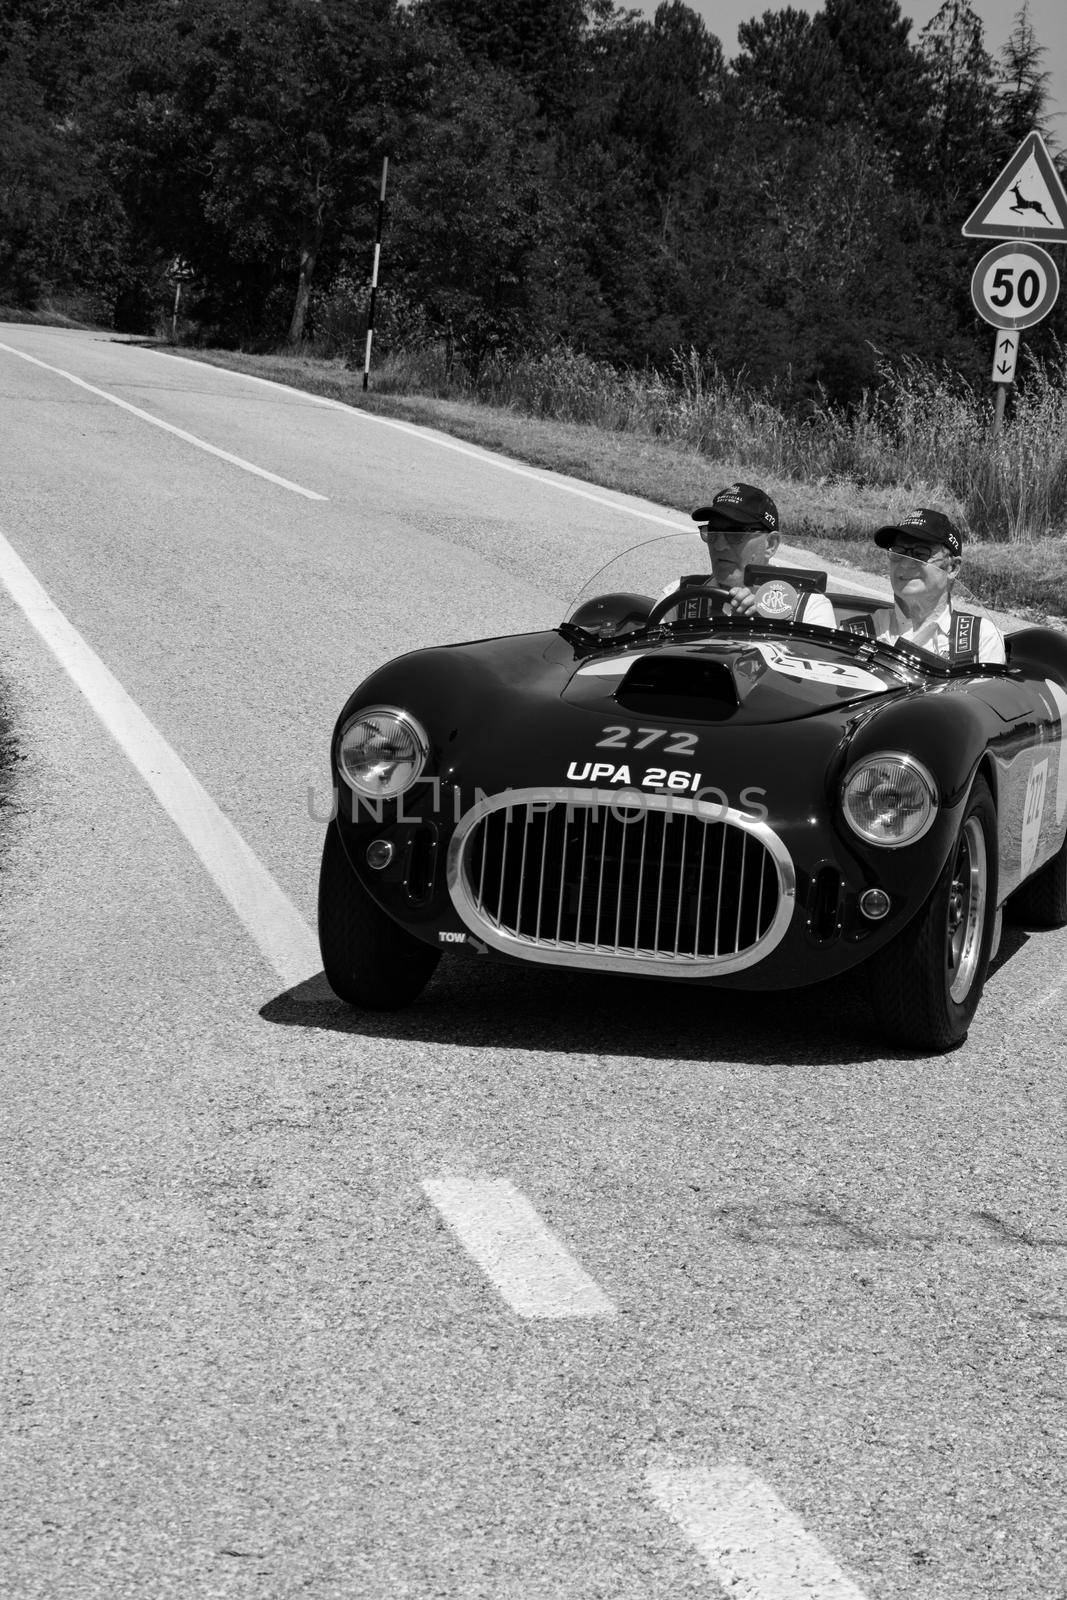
410 726
904 763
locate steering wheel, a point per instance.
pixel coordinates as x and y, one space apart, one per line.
694 591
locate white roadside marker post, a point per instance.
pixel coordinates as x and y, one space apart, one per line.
374 271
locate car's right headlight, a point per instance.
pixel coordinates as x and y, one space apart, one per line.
381 752
889 799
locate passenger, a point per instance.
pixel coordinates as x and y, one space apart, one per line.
925 555
740 529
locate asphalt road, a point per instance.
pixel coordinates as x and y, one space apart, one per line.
246 1352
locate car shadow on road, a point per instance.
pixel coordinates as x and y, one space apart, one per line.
1013 939
514 1009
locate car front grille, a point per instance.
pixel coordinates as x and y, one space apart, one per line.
657 883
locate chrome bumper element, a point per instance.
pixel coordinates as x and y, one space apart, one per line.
653 884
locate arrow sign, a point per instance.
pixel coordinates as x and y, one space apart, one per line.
1005 355
1026 200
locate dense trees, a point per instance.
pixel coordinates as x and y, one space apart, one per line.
562 170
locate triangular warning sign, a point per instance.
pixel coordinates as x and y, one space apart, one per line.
1026 201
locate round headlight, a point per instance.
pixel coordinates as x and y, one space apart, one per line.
381 752
889 799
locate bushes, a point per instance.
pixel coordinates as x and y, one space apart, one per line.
922 430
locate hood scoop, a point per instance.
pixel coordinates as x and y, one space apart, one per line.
686 686
741 681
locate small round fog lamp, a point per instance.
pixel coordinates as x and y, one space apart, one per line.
379 853
874 903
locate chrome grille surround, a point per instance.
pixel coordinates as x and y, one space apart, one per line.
682 888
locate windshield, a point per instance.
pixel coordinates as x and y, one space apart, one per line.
788 592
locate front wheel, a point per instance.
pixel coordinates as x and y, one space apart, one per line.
368 959
926 985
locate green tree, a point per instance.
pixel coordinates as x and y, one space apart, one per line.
963 113
790 65
245 135
472 205
539 43
1024 81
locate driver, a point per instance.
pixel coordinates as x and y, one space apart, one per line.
740 529
925 555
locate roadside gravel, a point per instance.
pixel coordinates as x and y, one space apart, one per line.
9 754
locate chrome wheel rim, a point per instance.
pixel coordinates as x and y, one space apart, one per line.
966 914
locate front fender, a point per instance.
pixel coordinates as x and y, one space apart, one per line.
949 734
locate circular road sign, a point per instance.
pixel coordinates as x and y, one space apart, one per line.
1015 284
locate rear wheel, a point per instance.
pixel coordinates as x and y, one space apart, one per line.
368 959
926 985
1042 902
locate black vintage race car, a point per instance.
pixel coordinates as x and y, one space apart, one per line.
657 789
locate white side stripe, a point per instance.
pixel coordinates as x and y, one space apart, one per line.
274 923
755 1547
529 1266
168 427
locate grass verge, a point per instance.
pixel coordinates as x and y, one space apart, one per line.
831 517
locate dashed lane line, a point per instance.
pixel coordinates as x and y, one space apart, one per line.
754 1545
522 1258
168 427
283 937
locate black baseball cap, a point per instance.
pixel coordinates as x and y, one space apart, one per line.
742 503
933 526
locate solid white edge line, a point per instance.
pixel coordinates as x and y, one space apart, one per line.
277 928
754 1545
523 1259
167 427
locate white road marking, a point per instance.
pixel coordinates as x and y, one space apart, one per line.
788 554
754 1545
168 427
428 436
525 1261
274 923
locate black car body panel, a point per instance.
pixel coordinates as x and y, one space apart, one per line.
740 735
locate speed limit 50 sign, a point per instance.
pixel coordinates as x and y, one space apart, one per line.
1015 285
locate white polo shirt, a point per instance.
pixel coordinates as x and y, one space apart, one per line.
935 634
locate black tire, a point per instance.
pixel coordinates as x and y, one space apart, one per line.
368 959
1042 901
926 985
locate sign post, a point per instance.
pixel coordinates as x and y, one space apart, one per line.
1016 284
1005 354
178 272
1013 286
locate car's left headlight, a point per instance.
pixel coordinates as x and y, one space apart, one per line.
889 799
381 752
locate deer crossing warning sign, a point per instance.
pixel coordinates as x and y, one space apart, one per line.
1025 201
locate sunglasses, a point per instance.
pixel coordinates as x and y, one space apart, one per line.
910 550
734 536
